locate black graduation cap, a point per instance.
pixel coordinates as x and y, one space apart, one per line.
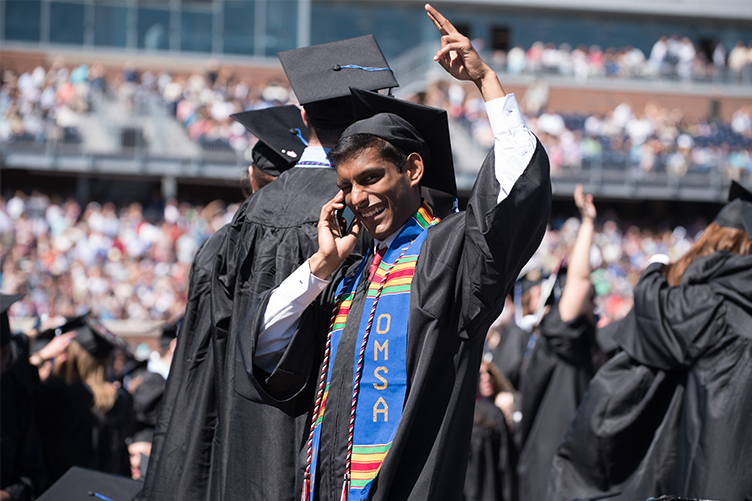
412 128
81 484
282 136
90 334
6 300
738 211
96 339
322 74
44 337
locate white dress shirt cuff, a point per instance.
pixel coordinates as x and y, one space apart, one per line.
282 314
504 114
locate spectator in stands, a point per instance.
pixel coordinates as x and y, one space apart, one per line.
738 59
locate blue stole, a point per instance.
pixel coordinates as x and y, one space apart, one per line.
383 383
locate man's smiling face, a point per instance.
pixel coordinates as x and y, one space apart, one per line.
382 197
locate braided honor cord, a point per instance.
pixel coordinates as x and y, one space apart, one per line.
320 391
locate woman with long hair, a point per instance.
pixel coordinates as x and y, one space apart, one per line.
82 418
670 413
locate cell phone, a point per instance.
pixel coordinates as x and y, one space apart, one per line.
349 217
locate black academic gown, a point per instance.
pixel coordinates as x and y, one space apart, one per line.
465 269
553 384
491 469
233 447
187 414
72 433
21 471
509 353
670 413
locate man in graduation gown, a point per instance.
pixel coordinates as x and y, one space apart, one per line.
21 473
669 415
249 449
393 416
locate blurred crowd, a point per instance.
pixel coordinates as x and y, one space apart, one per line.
654 139
132 262
618 255
202 101
672 57
125 262
45 104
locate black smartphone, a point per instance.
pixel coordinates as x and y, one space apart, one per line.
344 218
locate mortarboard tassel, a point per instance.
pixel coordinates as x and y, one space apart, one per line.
455 205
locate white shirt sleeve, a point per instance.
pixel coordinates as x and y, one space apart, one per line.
282 315
514 143
514 146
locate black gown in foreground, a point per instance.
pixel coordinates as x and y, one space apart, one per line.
466 267
214 441
553 384
670 414
187 415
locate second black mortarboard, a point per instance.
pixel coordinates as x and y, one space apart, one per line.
282 137
737 213
90 334
6 300
410 127
96 339
80 484
321 75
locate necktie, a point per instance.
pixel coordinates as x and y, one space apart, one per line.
375 263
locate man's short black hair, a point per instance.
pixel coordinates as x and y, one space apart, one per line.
324 136
350 147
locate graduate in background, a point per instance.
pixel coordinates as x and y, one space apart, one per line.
188 411
21 471
561 363
492 468
81 416
394 403
670 413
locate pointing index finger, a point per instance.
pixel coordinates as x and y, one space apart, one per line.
441 23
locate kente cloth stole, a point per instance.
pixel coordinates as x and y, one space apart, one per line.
382 387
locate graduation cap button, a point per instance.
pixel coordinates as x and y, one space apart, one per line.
337 67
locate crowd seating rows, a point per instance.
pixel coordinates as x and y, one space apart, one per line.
132 262
46 104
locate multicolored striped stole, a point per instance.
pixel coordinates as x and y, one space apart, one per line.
380 376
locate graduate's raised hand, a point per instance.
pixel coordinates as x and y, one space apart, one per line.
335 242
460 59
584 203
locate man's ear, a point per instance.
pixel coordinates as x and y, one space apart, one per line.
304 116
414 168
